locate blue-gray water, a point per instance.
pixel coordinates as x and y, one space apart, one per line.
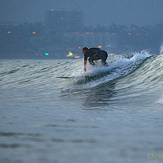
111 114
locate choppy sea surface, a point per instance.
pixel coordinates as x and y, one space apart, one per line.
52 111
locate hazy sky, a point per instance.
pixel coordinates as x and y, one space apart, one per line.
95 12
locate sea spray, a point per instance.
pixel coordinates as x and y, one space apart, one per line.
160 100
161 48
100 75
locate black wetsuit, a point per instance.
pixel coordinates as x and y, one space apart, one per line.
96 54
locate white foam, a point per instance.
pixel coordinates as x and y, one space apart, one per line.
161 48
120 67
93 70
160 101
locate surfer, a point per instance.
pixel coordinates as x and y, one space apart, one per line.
94 54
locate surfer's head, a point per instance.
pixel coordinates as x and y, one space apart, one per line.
84 50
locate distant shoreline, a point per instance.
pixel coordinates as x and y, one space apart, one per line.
32 56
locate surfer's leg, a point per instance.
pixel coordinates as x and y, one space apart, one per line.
95 58
103 58
91 61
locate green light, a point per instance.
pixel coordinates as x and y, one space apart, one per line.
46 53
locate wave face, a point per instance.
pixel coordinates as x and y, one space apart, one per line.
52 111
136 76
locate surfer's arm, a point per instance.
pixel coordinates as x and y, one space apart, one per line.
85 63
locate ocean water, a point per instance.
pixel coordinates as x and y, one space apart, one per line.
52 111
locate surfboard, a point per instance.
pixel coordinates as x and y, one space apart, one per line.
65 77
86 75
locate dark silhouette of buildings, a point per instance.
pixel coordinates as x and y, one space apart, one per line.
64 32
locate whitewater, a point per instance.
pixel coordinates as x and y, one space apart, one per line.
52 111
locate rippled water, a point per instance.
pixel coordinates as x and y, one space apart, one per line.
108 114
